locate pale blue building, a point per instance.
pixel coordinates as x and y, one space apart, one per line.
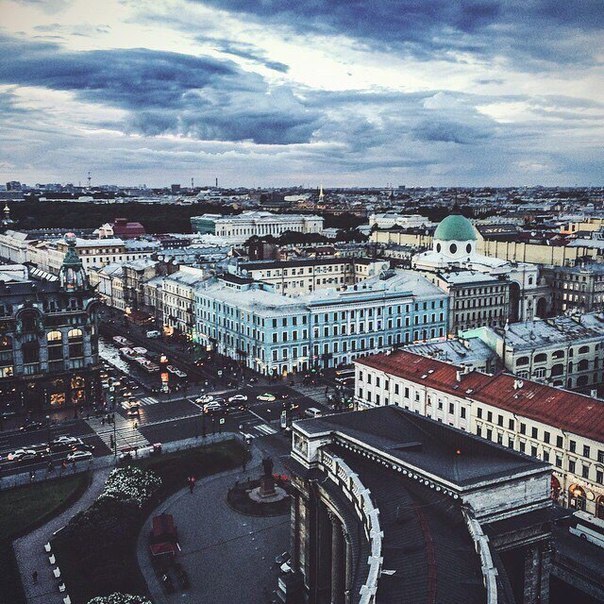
277 334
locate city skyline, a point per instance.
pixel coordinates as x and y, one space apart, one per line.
408 93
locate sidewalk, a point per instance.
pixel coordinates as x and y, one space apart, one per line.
30 554
29 550
217 541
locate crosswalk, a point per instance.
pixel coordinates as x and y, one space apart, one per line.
148 400
125 432
257 430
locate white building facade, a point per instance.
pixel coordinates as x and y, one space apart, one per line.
239 228
563 428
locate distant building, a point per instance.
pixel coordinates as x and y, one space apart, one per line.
559 427
455 249
302 276
579 287
48 338
240 227
388 506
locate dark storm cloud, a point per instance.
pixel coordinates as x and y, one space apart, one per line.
540 30
165 92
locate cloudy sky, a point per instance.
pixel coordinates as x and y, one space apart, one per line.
277 92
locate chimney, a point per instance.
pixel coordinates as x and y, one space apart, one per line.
458 375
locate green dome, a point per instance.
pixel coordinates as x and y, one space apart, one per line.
455 228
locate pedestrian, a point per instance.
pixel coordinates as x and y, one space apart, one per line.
34 577
191 484
103 421
32 475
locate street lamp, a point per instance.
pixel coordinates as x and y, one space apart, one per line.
48 428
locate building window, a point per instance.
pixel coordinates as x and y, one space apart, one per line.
479 412
511 424
586 451
522 428
534 432
571 466
572 446
585 472
546 436
559 442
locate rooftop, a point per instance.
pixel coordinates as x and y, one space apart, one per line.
453 456
554 331
569 411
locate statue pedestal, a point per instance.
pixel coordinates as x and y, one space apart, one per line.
267 486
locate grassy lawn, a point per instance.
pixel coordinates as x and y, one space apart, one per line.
23 509
100 570
175 468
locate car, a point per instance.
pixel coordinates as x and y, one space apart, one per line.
65 439
30 426
266 397
282 558
79 455
237 398
62 446
206 398
83 447
313 412
171 368
181 374
133 410
212 407
19 453
31 455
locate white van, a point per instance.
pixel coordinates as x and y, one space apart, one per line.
313 412
153 333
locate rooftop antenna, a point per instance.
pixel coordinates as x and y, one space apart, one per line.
89 179
217 182
192 183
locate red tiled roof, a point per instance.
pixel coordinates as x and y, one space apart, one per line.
562 409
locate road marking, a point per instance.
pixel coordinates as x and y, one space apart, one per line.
265 429
149 400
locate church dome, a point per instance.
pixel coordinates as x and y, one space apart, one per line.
455 227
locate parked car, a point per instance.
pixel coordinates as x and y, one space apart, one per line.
79 456
313 412
30 426
266 397
181 374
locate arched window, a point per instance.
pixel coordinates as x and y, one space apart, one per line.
558 354
438 247
558 369
583 349
76 345
453 248
540 358
583 364
522 361
54 340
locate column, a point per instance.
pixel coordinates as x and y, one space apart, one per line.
337 561
348 562
531 575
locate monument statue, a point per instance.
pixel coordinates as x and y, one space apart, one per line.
267 464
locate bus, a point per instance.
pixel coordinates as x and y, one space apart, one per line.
587 527
345 377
